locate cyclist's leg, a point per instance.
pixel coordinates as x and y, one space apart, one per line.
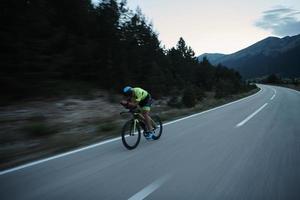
146 106
145 112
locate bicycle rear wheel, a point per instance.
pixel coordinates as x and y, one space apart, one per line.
131 134
158 127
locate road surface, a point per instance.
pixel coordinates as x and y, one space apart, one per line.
249 149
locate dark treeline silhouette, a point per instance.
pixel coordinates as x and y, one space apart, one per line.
54 45
272 79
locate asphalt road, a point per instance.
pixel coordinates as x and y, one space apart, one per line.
249 149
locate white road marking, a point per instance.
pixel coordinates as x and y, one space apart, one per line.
114 139
252 115
150 188
292 90
206 111
272 97
273 94
58 156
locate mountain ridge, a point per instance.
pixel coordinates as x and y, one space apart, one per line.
263 57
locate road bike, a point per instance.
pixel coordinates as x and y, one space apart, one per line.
133 128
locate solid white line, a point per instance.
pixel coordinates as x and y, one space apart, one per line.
206 111
149 189
252 115
118 138
57 156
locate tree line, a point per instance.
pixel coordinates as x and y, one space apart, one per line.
50 46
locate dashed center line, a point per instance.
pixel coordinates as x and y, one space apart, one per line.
150 188
273 94
252 115
272 97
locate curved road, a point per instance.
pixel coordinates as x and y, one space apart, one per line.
249 149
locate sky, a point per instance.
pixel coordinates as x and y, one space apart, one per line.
217 26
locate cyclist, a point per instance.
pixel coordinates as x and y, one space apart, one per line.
139 97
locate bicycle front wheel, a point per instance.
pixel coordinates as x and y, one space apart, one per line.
131 134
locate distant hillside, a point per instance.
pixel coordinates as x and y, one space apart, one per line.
212 57
271 55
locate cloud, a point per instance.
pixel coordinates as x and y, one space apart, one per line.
281 21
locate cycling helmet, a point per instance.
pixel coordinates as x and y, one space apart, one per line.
127 90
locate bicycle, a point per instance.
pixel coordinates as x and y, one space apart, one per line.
131 131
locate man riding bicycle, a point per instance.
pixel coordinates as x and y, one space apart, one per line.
138 97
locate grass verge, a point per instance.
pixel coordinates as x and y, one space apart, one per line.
207 103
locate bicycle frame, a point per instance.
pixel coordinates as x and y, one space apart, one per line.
137 118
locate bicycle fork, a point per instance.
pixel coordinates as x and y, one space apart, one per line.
135 121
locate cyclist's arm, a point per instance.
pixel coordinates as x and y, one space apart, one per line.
129 103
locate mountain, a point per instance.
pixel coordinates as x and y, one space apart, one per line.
269 56
212 57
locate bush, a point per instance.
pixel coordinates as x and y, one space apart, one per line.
224 88
107 127
295 81
189 98
38 129
220 92
199 93
175 102
273 79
